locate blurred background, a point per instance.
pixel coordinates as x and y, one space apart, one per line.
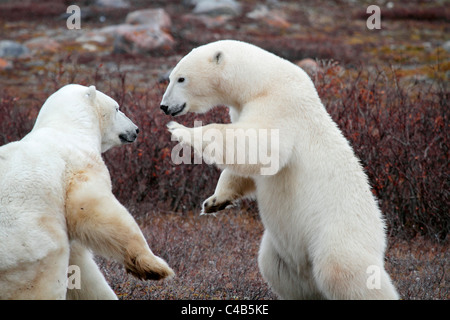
386 88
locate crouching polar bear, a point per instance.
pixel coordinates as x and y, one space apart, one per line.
324 235
56 202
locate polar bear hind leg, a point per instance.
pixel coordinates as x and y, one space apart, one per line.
286 282
93 285
340 278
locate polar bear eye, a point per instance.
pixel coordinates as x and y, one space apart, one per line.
181 79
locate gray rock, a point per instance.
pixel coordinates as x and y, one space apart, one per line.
140 38
157 17
13 49
261 11
310 66
92 36
273 17
446 46
207 21
218 7
5 65
45 44
113 4
143 32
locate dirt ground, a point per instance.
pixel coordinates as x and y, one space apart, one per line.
216 258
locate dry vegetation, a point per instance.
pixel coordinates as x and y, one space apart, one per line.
386 90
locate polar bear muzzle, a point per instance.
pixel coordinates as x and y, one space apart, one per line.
118 130
129 136
173 111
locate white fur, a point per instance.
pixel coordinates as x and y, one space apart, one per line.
73 127
323 227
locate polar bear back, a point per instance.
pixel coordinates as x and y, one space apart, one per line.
28 192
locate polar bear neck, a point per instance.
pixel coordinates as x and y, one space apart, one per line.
250 73
70 120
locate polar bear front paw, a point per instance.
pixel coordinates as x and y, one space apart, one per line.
214 204
173 125
178 131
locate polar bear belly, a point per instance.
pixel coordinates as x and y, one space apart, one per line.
284 215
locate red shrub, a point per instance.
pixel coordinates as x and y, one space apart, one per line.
15 120
401 137
400 134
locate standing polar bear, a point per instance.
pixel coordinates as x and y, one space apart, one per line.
324 235
56 202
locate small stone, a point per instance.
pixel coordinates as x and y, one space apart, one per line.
141 39
207 21
92 36
309 66
218 7
259 12
446 46
115 4
273 17
13 49
42 44
157 17
89 47
143 32
5 64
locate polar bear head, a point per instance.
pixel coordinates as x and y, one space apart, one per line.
225 72
77 109
195 82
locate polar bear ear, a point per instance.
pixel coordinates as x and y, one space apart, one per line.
91 92
218 57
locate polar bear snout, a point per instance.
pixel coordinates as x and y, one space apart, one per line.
173 111
164 108
129 136
117 129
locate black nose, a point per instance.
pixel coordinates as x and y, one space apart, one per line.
164 108
137 130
